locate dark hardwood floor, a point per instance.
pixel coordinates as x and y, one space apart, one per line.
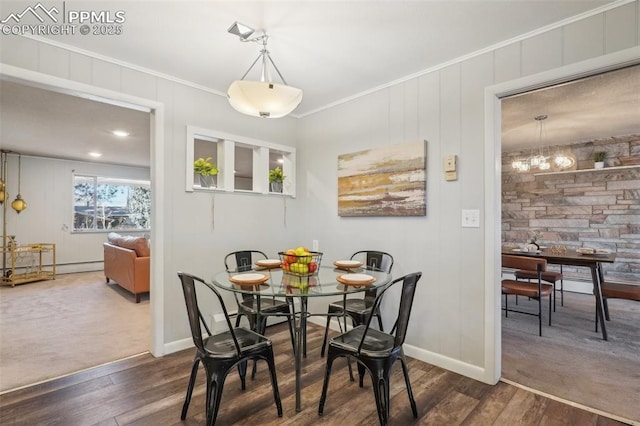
150 391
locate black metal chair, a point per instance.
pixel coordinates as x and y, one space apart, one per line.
376 351
536 290
242 261
222 352
358 309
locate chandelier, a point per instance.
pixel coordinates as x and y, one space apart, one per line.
262 98
538 160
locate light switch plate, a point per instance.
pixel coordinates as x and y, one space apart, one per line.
471 218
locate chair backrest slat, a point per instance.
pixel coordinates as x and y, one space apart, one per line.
524 262
195 315
243 260
377 261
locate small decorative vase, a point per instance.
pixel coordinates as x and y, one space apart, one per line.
598 165
276 186
206 181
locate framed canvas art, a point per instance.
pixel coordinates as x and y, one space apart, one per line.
387 181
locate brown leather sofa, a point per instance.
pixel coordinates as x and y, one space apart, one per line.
127 261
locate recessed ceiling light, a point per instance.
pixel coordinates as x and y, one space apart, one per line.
121 133
280 160
95 154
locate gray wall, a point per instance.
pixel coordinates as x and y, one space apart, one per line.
444 107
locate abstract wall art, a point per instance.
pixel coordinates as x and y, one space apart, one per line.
387 181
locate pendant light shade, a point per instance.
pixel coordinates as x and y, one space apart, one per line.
540 161
19 204
261 98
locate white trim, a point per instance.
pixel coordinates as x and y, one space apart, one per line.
178 345
555 25
492 182
157 173
451 364
123 64
492 237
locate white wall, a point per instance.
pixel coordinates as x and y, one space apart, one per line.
47 187
444 106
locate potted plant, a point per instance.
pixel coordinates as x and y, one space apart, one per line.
599 158
534 238
205 170
276 177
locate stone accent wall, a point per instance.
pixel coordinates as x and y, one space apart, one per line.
586 208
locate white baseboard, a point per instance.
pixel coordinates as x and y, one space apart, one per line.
469 370
72 268
451 364
177 345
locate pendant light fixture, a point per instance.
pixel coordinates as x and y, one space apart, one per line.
562 160
19 204
261 98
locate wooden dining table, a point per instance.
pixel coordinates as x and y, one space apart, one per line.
572 258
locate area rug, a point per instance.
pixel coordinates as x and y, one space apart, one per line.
571 360
51 328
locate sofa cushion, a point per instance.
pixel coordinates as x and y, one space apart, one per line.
137 244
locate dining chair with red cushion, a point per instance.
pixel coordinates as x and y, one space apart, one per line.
535 290
551 277
617 291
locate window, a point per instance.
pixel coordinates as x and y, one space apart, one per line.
206 149
243 164
243 168
108 204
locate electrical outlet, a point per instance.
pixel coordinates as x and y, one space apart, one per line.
315 246
470 218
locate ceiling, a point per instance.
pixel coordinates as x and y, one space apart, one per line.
595 107
333 50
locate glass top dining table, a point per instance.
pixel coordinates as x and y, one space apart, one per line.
282 284
279 283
